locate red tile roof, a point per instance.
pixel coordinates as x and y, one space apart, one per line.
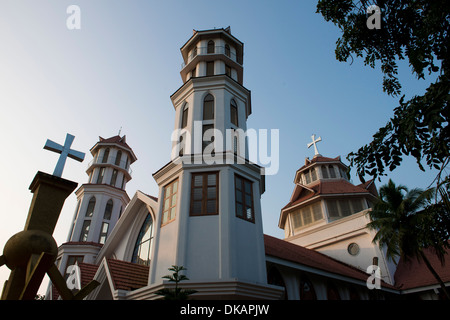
413 273
127 275
291 252
315 159
121 141
328 187
87 273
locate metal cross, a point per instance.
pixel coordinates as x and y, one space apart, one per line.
314 141
65 152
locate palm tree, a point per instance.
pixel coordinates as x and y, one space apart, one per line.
401 220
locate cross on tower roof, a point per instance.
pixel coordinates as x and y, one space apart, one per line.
65 152
314 141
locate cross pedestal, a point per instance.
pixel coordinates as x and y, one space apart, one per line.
35 247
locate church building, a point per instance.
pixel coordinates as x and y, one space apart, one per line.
207 215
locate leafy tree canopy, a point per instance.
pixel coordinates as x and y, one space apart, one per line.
417 30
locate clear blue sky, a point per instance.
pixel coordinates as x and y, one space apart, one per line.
119 70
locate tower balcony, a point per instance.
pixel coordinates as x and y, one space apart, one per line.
201 51
230 59
113 162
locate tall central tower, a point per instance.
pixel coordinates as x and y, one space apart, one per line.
209 218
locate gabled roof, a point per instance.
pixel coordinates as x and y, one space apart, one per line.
415 274
126 275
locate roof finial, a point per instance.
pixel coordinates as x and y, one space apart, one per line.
314 141
120 130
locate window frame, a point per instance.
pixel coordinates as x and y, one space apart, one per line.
184 116
209 68
140 241
233 106
165 197
105 155
211 47
243 216
204 194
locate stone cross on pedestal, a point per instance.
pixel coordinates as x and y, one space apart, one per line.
65 152
31 253
314 141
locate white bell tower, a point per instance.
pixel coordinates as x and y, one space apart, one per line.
100 201
209 220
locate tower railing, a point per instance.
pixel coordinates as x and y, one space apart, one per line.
217 50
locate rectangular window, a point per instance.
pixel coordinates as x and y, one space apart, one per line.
228 70
71 260
103 233
244 199
210 68
204 194
170 202
85 230
297 219
101 173
306 215
114 178
206 127
357 205
333 210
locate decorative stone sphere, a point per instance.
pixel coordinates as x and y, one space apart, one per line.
19 248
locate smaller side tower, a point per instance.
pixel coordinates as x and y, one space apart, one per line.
328 213
100 201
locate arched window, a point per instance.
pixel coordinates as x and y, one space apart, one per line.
332 292
227 50
105 156
208 107
307 291
142 249
118 158
210 46
233 112
108 210
90 207
184 116
274 277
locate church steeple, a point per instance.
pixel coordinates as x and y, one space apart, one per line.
102 199
212 96
209 219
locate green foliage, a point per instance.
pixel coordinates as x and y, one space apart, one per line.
417 30
408 221
176 293
400 220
